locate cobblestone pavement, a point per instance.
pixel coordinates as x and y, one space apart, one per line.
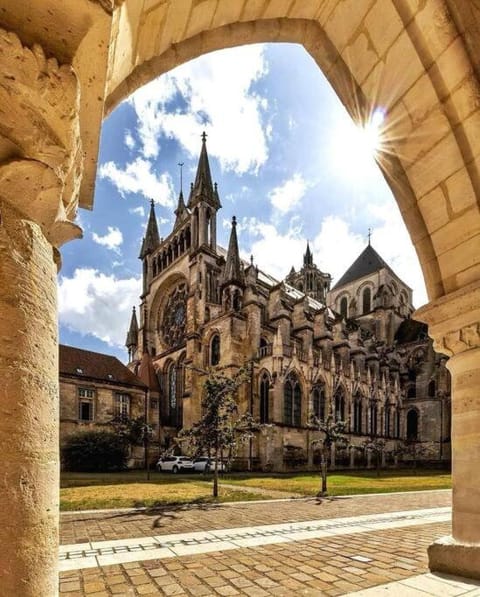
324 566
328 566
84 527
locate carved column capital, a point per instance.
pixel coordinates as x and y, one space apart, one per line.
40 148
454 320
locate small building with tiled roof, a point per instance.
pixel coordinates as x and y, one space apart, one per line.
96 388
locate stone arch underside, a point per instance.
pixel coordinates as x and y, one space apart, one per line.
410 61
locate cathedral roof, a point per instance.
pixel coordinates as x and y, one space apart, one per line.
233 272
203 189
85 364
146 372
132 335
151 239
368 262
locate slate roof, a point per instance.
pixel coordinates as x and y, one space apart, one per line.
79 363
368 262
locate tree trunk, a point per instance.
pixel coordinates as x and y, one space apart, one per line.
215 475
323 469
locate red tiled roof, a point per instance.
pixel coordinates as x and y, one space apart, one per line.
79 363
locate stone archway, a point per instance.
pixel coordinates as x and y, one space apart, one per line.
419 61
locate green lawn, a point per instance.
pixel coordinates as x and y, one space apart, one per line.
348 483
81 491
85 491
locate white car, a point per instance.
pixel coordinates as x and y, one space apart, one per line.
203 464
175 464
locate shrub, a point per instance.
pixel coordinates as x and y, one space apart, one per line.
94 451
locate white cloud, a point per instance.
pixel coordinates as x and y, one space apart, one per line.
273 252
287 196
129 140
112 240
220 99
138 211
137 177
96 304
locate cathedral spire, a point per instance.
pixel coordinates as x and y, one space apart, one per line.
181 212
151 239
308 257
233 272
132 335
203 189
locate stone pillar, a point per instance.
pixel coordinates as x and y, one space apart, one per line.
29 487
40 171
454 324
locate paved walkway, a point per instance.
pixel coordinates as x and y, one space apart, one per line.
299 547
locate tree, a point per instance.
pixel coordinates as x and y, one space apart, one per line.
415 450
134 432
94 451
332 432
375 446
221 427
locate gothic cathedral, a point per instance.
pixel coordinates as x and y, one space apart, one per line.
351 351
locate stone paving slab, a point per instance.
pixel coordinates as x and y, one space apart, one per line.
324 566
104 526
139 549
425 584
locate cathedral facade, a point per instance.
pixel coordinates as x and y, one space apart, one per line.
351 350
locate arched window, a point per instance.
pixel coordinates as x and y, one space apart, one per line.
172 393
344 307
387 421
357 415
339 406
215 350
292 401
411 392
431 389
264 396
412 425
397 422
373 418
318 400
367 301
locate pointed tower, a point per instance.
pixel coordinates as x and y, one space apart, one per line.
150 243
151 240
181 213
308 257
233 278
132 337
204 203
310 280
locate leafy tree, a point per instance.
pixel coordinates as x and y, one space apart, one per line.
375 446
94 451
134 432
221 428
332 432
413 449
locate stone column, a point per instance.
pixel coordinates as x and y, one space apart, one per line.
39 179
454 324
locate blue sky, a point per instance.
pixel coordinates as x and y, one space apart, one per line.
288 161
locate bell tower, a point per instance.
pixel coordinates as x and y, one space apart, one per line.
203 204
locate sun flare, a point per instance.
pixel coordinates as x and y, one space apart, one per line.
356 147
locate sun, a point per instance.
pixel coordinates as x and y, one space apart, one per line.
356 147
